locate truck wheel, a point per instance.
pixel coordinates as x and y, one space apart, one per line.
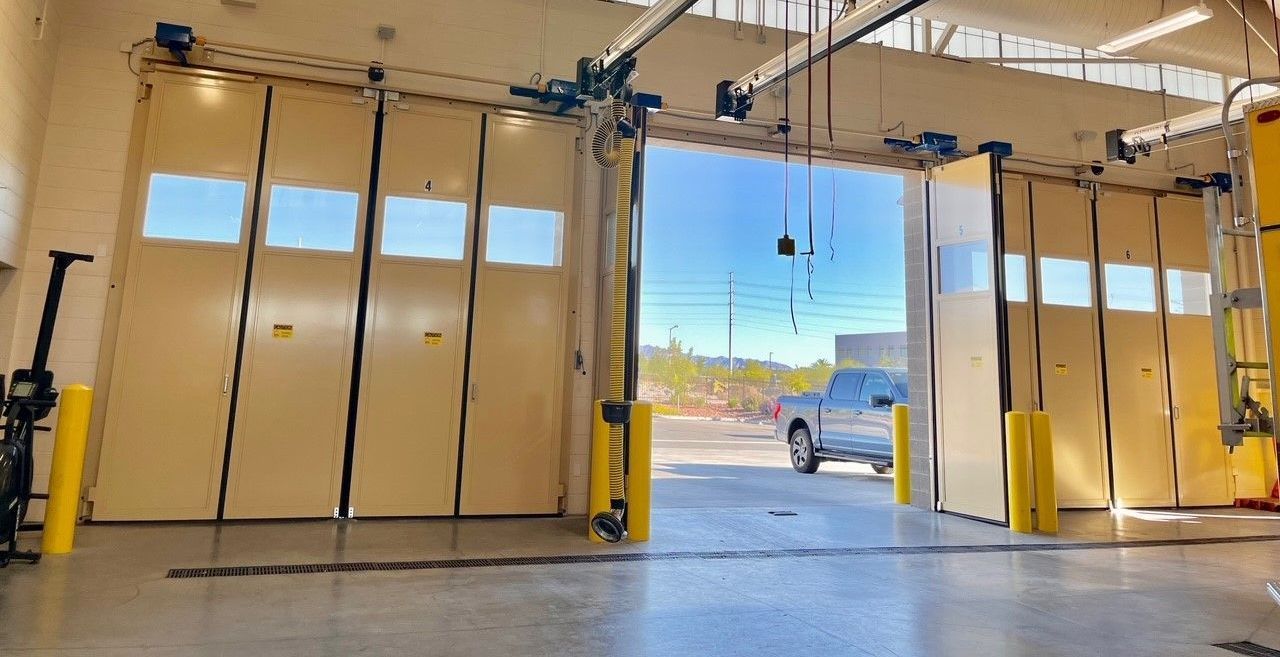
803 460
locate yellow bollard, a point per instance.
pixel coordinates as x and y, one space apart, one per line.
640 472
901 454
63 507
1046 487
599 498
1018 449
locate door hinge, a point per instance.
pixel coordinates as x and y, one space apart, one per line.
91 494
335 513
351 512
226 384
561 491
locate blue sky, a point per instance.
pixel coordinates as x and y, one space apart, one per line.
706 214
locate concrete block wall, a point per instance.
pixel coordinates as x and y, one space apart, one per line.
91 103
919 372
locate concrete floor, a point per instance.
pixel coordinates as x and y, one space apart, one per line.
111 597
704 464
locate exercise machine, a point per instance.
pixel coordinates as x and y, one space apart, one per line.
31 397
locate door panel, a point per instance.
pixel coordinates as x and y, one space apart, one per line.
166 423
1203 464
292 421
513 445
163 448
519 348
872 431
294 394
1141 444
1069 347
411 397
836 423
1024 373
970 378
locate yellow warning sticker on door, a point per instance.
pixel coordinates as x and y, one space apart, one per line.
284 331
975 361
1148 373
433 339
1060 369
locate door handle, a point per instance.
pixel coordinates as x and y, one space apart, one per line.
226 384
475 392
1176 413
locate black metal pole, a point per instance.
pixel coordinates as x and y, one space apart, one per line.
44 340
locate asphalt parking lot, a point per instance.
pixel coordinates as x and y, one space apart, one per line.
701 464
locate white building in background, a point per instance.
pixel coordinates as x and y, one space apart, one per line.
873 349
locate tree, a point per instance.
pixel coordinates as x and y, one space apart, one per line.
756 371
819 373
674 369
796 382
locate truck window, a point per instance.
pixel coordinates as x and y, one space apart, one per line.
844 387
874 384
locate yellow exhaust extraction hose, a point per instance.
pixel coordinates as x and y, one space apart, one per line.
618 329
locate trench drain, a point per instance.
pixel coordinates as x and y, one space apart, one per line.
1248 648
716 555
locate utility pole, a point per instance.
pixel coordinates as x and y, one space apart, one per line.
731 300
671 338
772 376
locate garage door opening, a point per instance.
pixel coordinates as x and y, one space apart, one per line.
728 328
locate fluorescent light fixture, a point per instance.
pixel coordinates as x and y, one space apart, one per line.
1157 28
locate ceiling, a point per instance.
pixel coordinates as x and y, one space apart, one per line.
1216 45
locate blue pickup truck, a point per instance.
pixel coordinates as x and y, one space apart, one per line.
851 421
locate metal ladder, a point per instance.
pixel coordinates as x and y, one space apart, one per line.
1240 414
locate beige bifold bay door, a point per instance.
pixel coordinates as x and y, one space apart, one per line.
971 378
339 304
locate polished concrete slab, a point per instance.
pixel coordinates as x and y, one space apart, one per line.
111 597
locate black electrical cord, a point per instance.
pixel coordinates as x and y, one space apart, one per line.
133 50
831 130
1248 59
808 255
809 124
785 123
785 126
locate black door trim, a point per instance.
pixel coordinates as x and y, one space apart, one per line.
242 330
479 214
362 308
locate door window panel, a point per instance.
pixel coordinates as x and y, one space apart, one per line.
1065 283
424 228
874 385
315 219
1130 287
963 268
1015 277
520 236
197 209
845 387
1188 292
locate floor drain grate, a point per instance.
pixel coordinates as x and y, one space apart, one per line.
1248 648
716 555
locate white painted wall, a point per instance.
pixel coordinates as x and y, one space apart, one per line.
82 171
26 83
